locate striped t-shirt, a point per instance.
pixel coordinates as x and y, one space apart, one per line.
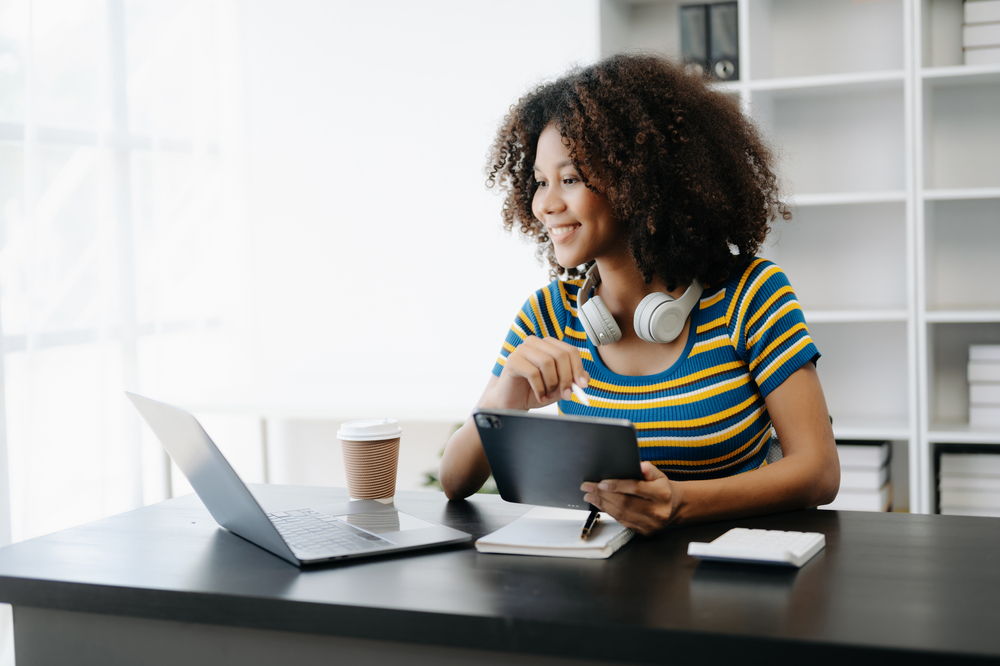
704 417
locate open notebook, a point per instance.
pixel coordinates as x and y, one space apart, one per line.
552 532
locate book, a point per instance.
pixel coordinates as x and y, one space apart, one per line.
984 371
984 393
984 352
981 34
982 55
953 482
966 511
972 499
551 532
871 455
984 416
863 500
983 11
863 478
977 464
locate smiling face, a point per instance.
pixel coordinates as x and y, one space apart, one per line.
580 222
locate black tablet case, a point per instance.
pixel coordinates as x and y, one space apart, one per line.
542 459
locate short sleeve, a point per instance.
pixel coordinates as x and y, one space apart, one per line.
769 327
541 315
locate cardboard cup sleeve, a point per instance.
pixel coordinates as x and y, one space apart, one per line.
371 468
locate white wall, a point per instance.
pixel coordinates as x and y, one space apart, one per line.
383 282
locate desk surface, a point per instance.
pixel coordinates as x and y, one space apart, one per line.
887 587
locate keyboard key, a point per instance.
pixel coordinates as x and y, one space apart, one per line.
314 535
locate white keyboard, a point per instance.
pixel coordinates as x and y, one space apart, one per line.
765 546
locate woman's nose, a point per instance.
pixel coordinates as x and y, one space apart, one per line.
552 201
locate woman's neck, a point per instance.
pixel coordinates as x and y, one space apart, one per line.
622 286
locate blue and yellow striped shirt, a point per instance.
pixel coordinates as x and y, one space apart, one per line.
704 417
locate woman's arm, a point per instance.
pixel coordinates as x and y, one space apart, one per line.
464 468
538 373
808 475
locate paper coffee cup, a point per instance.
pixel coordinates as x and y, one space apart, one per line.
371 453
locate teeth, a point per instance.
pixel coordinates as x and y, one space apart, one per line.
560 231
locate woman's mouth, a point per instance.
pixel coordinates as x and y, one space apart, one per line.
563 232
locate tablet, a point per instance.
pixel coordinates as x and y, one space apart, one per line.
542 459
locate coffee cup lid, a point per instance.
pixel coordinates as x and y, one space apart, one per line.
369 431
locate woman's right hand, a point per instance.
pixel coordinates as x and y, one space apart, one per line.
537 373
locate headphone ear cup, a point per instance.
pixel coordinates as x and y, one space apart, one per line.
659 318
601 327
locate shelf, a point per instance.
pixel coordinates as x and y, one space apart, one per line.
833 83
870 111
960 75
961 433
727 86
853 316
839 143
791 38
962 316
870 428
960 136
962 194
848 198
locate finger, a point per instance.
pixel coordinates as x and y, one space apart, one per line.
564 366
593 499
522 367
650 472
650 489
621 486
626 510
614 503
546 366
634 512
623 508
580 376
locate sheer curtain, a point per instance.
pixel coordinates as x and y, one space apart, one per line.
122 244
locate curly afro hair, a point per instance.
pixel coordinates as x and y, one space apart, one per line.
686 174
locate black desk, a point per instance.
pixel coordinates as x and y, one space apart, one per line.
164 584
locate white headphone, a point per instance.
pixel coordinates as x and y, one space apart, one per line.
658 317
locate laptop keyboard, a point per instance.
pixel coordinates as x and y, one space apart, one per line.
317 535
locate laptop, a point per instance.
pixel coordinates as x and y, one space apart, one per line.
359 528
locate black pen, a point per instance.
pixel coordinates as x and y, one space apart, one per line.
592 519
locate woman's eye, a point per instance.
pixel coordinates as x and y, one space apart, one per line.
570 181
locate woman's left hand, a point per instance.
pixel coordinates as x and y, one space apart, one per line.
644 506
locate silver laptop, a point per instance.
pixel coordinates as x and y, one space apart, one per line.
302 536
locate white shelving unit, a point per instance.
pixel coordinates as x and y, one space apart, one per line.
957 175
889 152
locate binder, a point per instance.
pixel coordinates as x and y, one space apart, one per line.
723 34
694 38
710 39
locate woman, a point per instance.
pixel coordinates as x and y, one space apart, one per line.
636 179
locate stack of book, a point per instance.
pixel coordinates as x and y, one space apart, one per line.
969 484
981 32
984 386
864 477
